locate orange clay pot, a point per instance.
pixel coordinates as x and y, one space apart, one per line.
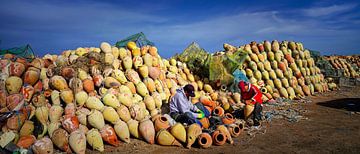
108 134
218 138
205 140
228 119
161 123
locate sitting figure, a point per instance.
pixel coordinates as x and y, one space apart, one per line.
251 95
182 110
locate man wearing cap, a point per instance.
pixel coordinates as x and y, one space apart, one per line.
251 95
182 110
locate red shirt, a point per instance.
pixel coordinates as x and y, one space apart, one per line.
253 93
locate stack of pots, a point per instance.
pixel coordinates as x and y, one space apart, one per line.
345 63
283 69
92 96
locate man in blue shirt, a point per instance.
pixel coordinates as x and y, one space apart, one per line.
181 108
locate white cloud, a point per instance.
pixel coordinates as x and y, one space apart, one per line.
328 10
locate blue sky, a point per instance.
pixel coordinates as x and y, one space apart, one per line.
51 26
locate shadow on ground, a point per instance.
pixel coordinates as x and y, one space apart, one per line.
349 104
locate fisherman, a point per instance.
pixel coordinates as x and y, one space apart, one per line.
251 95
182 110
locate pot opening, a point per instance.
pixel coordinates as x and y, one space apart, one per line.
236 129
163 119
216 111
241 126
203 140
220 137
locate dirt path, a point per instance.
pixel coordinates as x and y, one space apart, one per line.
332 126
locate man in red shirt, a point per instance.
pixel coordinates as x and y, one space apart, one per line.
250 94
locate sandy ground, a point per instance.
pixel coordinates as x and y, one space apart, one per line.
332 125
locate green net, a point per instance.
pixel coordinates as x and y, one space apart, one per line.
22 51
196 59
139 38
217 68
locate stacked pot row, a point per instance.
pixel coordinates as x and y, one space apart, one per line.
345 63
283 69
91 96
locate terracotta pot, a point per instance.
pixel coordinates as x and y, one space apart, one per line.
111 100
136 112
27 128
193 131
42 146
77 142
234 130
133 126
94 103
218 111
205 123
76 84
39 100
124 113
3 96
42 114
88 85
67 73
70 109
70 123
96 119
110 115
15 121
26 141
122 131
59 83
82 114
228 119
204 140
67 96
16 69
147 131
108 135
179 132
218 138
163 137
27 91
98 80
55 97
93 137
61 140
31 76
13 84
226 132
81 98
149 102
161 123
55 112
15 102
248 110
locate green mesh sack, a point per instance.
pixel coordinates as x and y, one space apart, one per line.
139 38
222 67
22 51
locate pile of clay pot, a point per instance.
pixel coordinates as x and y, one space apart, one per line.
283 69
89 97
349 64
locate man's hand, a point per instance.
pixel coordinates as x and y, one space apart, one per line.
200 115
248 102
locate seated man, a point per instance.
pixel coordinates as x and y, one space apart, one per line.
182 110
251 95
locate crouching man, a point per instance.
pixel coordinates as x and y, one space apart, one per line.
181 108
251 96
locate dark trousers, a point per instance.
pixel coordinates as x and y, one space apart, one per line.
188 117
256 114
